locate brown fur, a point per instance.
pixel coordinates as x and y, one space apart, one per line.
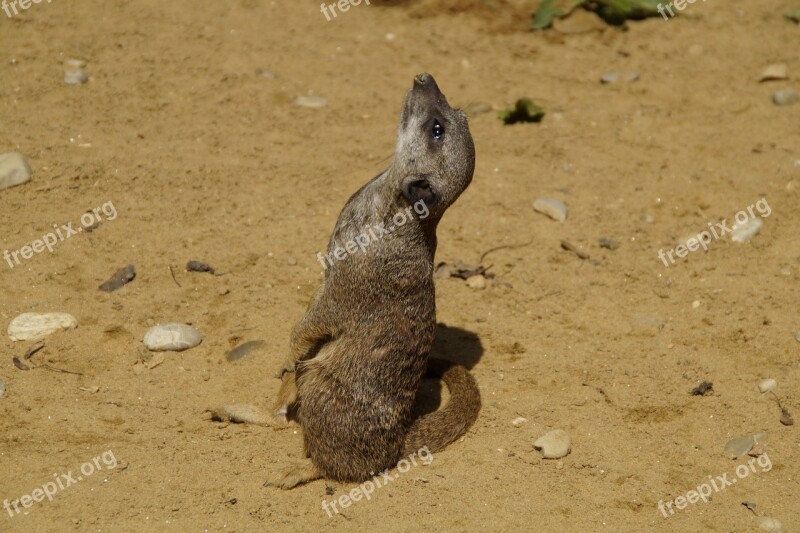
359 354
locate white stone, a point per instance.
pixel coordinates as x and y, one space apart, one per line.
552 208
770 524
310 101
75 76
554 445
476 282
777 71
171 337
767 385
748 230
517 422
34 326
14 170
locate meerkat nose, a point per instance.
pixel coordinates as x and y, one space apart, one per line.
425 82
423 78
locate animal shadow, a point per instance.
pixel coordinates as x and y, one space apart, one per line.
454 344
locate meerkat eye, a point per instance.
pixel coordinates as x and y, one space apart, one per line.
438 130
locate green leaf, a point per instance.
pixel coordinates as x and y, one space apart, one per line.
618 11
793 14
523 111
545 14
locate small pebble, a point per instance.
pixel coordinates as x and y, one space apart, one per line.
785 97
609 244
704 388
199 266
476 282
739 446
292 261
744 232
264 73
171 337
121 277
517 422
609 77
314 102
554 445
777 71
613 77
2 388
75 76
14 170
696 304
767 385
34 326
773 525
797 336
552 208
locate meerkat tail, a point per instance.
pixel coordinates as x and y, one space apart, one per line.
438 429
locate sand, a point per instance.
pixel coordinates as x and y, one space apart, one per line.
203 156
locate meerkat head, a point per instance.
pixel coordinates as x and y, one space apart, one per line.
435 156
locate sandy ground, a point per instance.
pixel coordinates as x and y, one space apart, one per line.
204 157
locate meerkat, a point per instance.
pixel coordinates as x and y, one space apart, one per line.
359 354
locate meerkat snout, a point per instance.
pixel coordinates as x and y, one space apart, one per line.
434 147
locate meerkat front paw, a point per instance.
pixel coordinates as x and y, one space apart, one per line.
289 366
294 475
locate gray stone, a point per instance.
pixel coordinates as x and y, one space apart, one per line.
171 337
14 170
785 97
739 446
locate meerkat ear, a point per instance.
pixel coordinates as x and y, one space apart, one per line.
416 189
